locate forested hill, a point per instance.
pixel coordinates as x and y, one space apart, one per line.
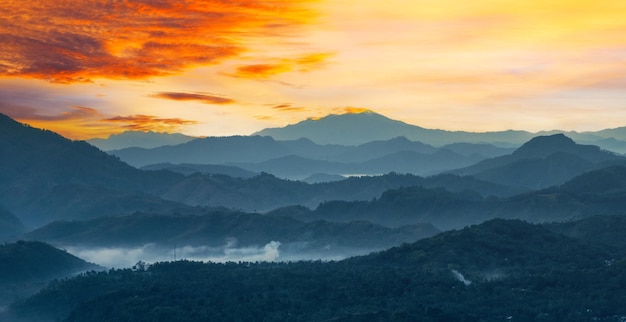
497 271
30 261
498 246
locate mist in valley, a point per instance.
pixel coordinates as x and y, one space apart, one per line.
274 251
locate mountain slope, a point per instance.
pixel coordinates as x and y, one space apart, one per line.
26 267
139 139
40 169
509 247
608 231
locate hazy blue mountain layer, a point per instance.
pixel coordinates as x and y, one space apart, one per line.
359 128
212 231
139 139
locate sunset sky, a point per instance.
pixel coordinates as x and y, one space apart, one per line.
215 67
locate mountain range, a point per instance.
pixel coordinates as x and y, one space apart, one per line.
295 152
46 177
302 158
215 201
360 128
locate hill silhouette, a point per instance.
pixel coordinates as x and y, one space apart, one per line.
542 162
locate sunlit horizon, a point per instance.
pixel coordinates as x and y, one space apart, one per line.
214 68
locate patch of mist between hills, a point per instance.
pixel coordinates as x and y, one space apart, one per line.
125 257
274 251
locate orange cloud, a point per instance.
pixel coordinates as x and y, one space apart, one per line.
76 41
287 107
303 63
149 123
79 122
203 98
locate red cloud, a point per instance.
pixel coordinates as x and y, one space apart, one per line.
75 41
204 98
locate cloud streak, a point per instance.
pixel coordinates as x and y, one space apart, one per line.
273 67
149 123
202 98
77 41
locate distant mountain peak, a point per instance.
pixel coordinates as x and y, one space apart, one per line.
543 146
352 128
348 111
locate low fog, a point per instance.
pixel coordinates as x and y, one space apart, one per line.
230 251
123 257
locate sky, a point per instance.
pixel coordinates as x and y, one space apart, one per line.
93 68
